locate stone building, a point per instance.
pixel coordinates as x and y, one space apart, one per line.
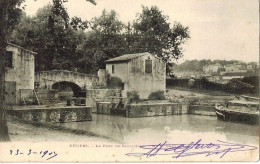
141 72
19 75
213 68
235 67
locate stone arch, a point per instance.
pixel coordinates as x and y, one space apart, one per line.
63 84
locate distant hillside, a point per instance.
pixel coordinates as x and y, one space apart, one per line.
197 65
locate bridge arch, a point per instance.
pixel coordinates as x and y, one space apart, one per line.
66 86
46 79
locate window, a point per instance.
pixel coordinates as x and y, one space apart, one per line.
148 66
113 68
9 59
123 86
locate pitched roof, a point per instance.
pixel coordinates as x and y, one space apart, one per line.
127 57
10 44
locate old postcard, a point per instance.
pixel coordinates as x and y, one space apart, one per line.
129 80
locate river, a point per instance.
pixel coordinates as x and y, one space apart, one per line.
175 128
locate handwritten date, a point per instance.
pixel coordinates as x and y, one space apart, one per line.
43 154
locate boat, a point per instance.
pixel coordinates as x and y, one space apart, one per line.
244 110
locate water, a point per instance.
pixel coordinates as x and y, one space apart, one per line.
175 128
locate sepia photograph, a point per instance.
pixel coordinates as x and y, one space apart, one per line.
129 80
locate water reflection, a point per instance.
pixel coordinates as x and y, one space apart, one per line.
175 128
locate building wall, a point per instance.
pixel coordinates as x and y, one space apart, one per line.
251 67
145 83
211 68
22 71
120 70
206 69
132 74
231 68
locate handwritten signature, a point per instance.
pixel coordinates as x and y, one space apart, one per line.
194 148
43 154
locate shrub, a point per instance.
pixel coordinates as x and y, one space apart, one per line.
132 96
115 83
158 95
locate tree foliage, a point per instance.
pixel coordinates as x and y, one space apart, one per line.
157 35
54 39
76 44
9 16
14 12
104 41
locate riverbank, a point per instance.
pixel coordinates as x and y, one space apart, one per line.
19 131
199 95
207 92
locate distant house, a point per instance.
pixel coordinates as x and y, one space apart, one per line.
185 74
19 76
235 68
212 68
251 66
141 72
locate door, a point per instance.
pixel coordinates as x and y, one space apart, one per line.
10 92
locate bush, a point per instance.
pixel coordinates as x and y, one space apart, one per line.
132 96
158 95
115 83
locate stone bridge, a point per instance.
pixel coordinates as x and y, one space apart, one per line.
77 81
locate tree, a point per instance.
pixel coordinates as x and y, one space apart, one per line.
53 35
109 30
9 15
78 24
33 33
104 41
155 35
4 136
154 29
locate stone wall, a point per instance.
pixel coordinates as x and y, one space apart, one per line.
109 109
133 75
202 110
149 110
21 73
102 77
47 97
120 71
102 95
46 79
146 83
68 114
104 108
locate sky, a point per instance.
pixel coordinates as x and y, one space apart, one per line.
219 29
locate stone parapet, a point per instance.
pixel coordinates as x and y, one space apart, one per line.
149 110
53 114
202 110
